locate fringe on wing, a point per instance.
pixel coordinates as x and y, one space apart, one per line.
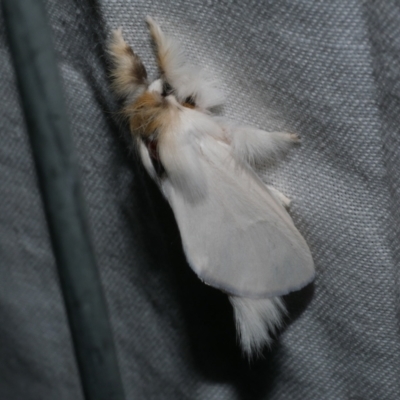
188 81
255 320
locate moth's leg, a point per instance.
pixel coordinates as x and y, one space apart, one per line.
280 196
255 145
128 74
167 50
187 82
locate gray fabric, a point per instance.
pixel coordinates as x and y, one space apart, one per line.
326 70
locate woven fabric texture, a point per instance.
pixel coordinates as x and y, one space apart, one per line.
329 71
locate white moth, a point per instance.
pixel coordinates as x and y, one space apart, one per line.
235 230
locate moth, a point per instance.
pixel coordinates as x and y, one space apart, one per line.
236 232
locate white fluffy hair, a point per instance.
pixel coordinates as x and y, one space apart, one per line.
255 320
187 80
252 144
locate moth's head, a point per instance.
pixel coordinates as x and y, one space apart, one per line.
163 88
155 109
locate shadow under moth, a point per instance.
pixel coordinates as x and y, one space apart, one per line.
236 233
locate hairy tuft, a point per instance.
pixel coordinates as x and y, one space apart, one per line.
128 74
255 320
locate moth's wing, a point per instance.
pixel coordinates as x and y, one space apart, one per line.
236 236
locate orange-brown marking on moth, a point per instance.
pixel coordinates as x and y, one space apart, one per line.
148 114
188 105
